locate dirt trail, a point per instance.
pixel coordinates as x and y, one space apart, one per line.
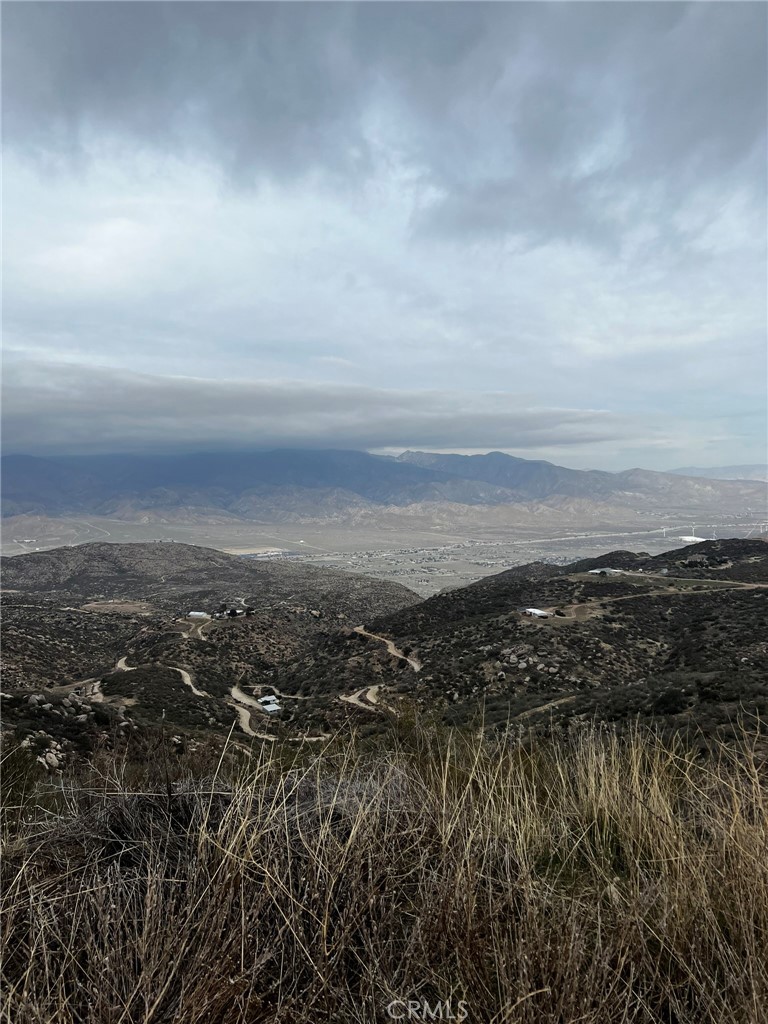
243 698
195 631
92 686
720 584
240 702
591 609
188 682
287 696
545 707
366 698
394 651
244 720
185 676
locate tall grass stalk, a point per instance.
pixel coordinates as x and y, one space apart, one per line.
596 880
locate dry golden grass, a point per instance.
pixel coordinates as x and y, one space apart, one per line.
597 880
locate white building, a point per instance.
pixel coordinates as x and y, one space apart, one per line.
536 613
691 538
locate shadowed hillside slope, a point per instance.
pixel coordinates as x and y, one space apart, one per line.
681 637
169 573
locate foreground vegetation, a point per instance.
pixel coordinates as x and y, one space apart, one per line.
594 879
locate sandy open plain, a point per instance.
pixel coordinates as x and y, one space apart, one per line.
425 549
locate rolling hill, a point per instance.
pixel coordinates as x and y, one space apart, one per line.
98 645
70 614
679 637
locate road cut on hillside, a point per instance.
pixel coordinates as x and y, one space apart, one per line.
394 651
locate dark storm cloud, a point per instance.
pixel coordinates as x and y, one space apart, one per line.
541 120
53 407
257 87
624 112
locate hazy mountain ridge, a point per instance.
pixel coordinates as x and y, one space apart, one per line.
538 480
269 486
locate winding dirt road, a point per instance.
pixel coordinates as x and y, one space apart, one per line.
243 698
187 678
244 720
241 702
195 631
394 651
287 696
592 609
366 698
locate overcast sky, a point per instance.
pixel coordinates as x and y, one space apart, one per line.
538 227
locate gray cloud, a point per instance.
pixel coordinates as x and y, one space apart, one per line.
258 87
64 407
537 120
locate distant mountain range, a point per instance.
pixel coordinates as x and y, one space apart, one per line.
265 486
758 471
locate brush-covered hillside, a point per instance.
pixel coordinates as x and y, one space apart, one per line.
99 639
682 637
171 575
452 806
98 643
73 612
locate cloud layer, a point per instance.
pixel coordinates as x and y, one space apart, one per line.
100 409
103 409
